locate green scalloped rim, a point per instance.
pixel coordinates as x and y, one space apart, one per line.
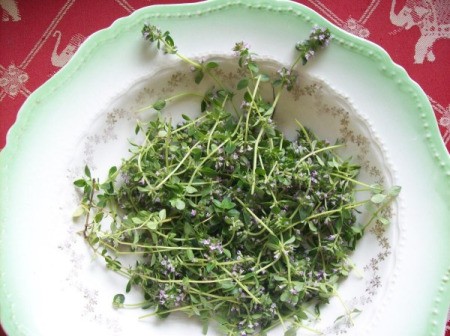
25 116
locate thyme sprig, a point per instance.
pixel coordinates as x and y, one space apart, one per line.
228 220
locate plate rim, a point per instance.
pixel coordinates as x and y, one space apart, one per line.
432 136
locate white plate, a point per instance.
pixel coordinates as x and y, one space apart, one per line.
49 281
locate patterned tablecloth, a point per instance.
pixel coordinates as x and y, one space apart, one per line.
38 38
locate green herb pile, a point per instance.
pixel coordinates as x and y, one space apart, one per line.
228 220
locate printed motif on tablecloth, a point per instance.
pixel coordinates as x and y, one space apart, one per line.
354 26
14 77
60 59
12 80
443 115
447 328
431 17
10 10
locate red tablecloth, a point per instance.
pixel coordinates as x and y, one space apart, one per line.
37 38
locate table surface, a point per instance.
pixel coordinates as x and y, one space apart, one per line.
38 38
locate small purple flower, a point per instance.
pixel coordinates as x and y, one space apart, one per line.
245 105
169 268
240 46
293 291
162 296
239 255
273 308
309 54
321 275
179 299
216 247
276 255
193 212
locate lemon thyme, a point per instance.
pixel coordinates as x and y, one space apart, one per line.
227 219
